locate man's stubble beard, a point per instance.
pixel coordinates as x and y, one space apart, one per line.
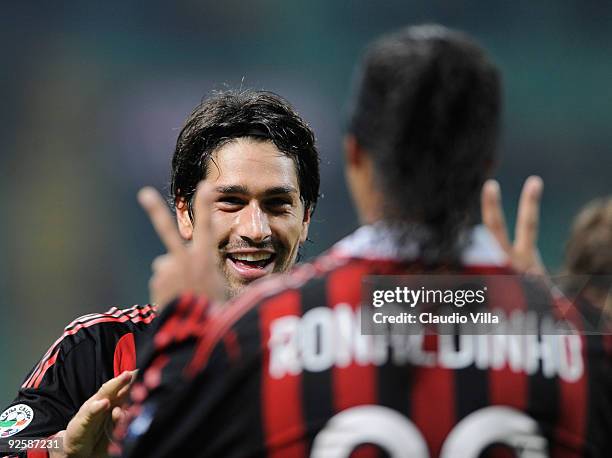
234 289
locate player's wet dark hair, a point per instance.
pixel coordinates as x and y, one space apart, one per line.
231 114
427 110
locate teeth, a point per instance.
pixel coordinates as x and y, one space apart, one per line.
251 257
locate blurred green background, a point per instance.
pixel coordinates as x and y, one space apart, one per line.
93 95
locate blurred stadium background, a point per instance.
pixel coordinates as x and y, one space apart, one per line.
93 95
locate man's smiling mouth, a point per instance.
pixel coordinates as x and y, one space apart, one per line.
250 265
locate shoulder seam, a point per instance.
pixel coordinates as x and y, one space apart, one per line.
132 312
118 316
41 370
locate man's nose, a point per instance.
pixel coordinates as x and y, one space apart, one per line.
253 224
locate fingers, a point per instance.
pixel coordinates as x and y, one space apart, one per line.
493 214
160 262
186 268
116 390
528 217
202 218
93 412
83 430
111 389
124 391
98 406
206 278
117 414
170 278
161 218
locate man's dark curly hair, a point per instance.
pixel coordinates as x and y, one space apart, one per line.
227 115
427 110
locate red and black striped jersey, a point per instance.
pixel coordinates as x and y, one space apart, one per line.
93 349
284 371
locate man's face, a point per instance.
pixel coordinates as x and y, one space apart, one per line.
259 220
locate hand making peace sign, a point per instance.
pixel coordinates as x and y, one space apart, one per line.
523 253
185 267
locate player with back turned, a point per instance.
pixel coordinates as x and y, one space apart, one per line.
283 370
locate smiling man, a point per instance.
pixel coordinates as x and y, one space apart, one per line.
262 220
261 157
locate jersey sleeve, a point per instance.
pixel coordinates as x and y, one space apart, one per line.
43 409
93 349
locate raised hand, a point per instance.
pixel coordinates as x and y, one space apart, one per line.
523 253
185 267
89 432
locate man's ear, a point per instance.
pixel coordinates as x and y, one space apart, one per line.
185 226
359 173
305 225
353 152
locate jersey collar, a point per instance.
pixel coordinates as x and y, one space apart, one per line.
379 241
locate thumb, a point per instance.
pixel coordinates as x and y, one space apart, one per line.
84 428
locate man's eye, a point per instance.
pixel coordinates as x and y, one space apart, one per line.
278 204
278 201
231 200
